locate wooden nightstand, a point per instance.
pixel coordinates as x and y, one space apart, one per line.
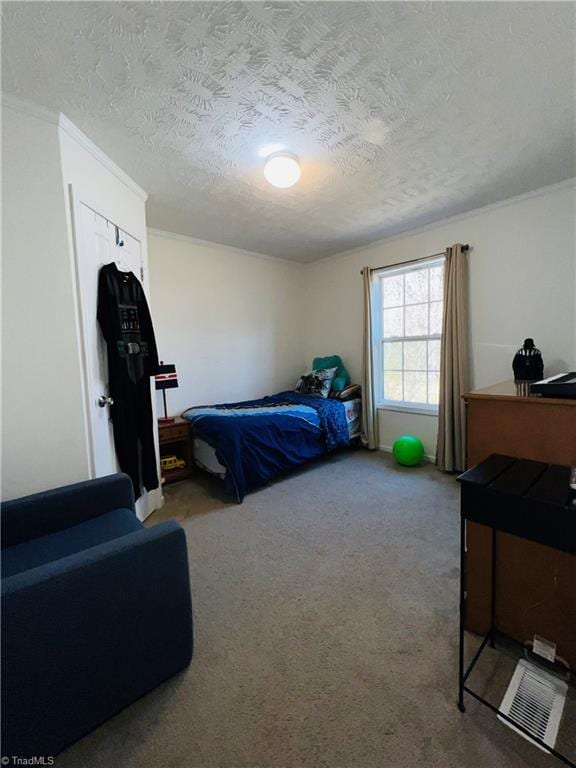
174 439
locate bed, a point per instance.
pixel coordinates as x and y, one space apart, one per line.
249 443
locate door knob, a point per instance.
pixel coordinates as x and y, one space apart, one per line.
103 401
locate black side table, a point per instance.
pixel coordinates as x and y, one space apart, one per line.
529 499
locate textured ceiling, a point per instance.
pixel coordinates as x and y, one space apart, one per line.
401 113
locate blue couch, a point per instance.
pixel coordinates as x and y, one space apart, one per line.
96 611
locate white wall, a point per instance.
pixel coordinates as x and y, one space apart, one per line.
43 441
522 279
110 192
238 325
98 182
230 320
45 411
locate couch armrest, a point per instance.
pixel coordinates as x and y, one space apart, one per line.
59 508
84 636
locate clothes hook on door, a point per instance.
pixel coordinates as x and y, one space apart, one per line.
119 242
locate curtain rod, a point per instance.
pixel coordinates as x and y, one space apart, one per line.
413 261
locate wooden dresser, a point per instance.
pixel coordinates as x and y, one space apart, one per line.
536 590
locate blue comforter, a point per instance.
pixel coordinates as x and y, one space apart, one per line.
257 440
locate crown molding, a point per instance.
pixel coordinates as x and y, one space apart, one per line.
540 192
27 107
65 124
80 138
166 234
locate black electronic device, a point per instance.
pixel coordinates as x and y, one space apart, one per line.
562 385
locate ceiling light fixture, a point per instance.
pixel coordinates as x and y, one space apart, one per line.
282 170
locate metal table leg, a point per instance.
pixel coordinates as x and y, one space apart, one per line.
493 592
461 706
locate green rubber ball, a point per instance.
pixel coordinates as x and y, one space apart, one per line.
408 451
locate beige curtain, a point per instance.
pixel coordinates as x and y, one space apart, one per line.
454 363
369 412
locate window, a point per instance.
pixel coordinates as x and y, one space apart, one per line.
409 320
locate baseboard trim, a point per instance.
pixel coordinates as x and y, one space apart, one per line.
388 449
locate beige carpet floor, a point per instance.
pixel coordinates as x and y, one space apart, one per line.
326 627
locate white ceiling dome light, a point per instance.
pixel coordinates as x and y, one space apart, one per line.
282 170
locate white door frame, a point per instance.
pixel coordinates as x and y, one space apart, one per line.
154 498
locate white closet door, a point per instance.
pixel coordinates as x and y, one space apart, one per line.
95 246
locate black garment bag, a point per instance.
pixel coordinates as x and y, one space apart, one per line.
126 325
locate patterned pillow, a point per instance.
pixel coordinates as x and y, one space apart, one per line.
316 382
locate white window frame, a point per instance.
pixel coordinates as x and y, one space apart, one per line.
430 409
